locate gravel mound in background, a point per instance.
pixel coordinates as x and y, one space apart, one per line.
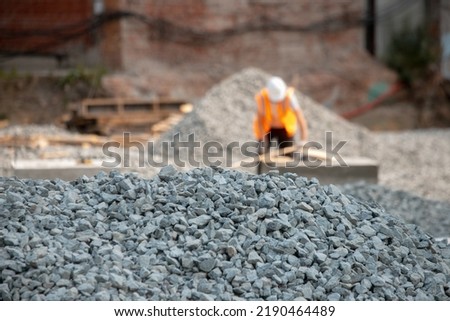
30 130
432 216
226 114
208 234
417 161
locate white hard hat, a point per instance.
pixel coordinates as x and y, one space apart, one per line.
276 88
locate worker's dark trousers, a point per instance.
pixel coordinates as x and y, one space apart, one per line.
275 138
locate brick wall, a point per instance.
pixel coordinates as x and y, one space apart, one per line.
318 47
18 18
111 36
212 17
186 46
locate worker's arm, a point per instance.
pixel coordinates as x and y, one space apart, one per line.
301 121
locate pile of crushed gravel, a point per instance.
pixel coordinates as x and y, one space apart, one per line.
431 215
417 161
31 130
208 234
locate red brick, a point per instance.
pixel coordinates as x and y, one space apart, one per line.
32 15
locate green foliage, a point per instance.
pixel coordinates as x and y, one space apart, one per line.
9 75
90 77
410 53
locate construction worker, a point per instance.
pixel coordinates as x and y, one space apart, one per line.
278 115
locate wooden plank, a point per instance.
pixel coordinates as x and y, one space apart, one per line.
54 154
130 101
281 155
126 113
141 138
120 109
77 140
4 123
36 141
186 108
114 100
166 124
301 149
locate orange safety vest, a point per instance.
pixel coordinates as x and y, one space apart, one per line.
264 116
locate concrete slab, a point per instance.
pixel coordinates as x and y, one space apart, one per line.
332 172
65 169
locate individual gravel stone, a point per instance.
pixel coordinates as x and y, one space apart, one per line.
166 172
254 258
201 220
207 265
117 281
320 257
86 288
367 231
334 297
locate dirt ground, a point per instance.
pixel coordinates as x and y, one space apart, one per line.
42 99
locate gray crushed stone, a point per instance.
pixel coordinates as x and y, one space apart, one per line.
90 239
431 215
31 130
416 161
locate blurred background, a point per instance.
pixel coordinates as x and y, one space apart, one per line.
383 64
